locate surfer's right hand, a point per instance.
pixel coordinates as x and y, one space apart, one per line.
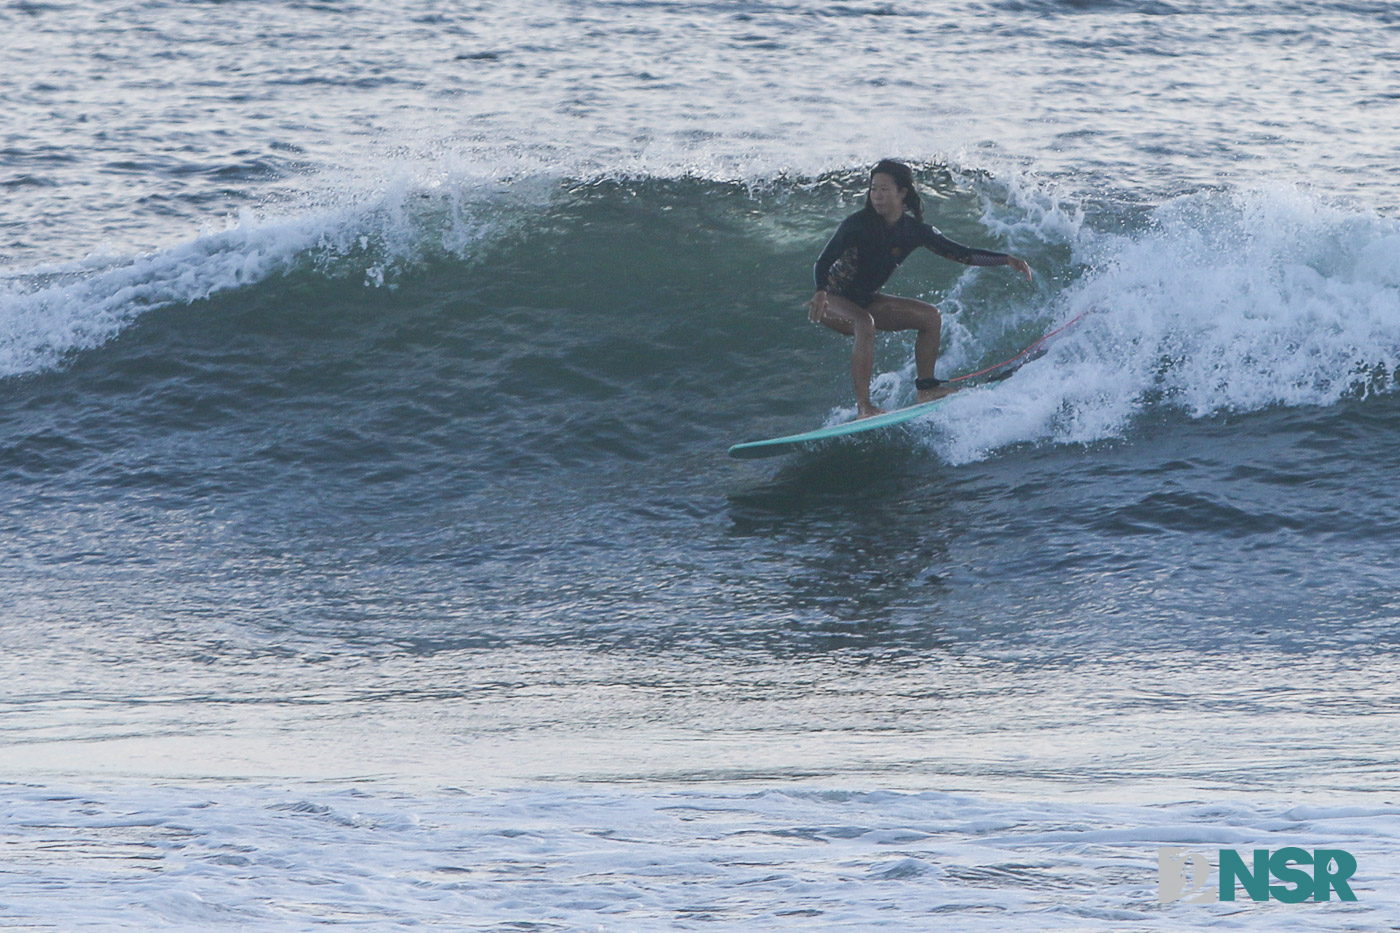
816 308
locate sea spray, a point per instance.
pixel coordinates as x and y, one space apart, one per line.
1224 302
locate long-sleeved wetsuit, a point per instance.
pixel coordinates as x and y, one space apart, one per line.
863 254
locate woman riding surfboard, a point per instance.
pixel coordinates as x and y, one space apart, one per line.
862 255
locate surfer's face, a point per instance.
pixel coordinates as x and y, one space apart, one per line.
886 196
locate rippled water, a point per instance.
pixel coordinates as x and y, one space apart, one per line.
132 127
370 553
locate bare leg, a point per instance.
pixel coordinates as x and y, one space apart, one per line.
892 313
847 317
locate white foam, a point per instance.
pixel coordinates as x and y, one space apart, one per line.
341 227
46 316
1225 303
295 857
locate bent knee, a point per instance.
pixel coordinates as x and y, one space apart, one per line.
837 323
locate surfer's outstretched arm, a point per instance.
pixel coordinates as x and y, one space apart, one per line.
970 256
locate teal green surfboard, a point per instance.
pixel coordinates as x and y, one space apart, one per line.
777 446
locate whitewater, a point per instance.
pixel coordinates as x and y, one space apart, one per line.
371 557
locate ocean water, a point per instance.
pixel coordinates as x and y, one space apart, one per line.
370 555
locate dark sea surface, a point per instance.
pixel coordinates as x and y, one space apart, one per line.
370 554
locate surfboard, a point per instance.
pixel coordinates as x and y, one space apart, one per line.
777 446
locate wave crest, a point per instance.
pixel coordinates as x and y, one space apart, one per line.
1223 302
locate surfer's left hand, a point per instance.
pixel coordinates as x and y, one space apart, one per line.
1021 266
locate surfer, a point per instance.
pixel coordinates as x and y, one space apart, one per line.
862 254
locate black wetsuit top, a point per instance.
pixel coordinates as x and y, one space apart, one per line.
863 254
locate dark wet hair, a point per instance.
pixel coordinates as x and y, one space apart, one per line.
904 178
